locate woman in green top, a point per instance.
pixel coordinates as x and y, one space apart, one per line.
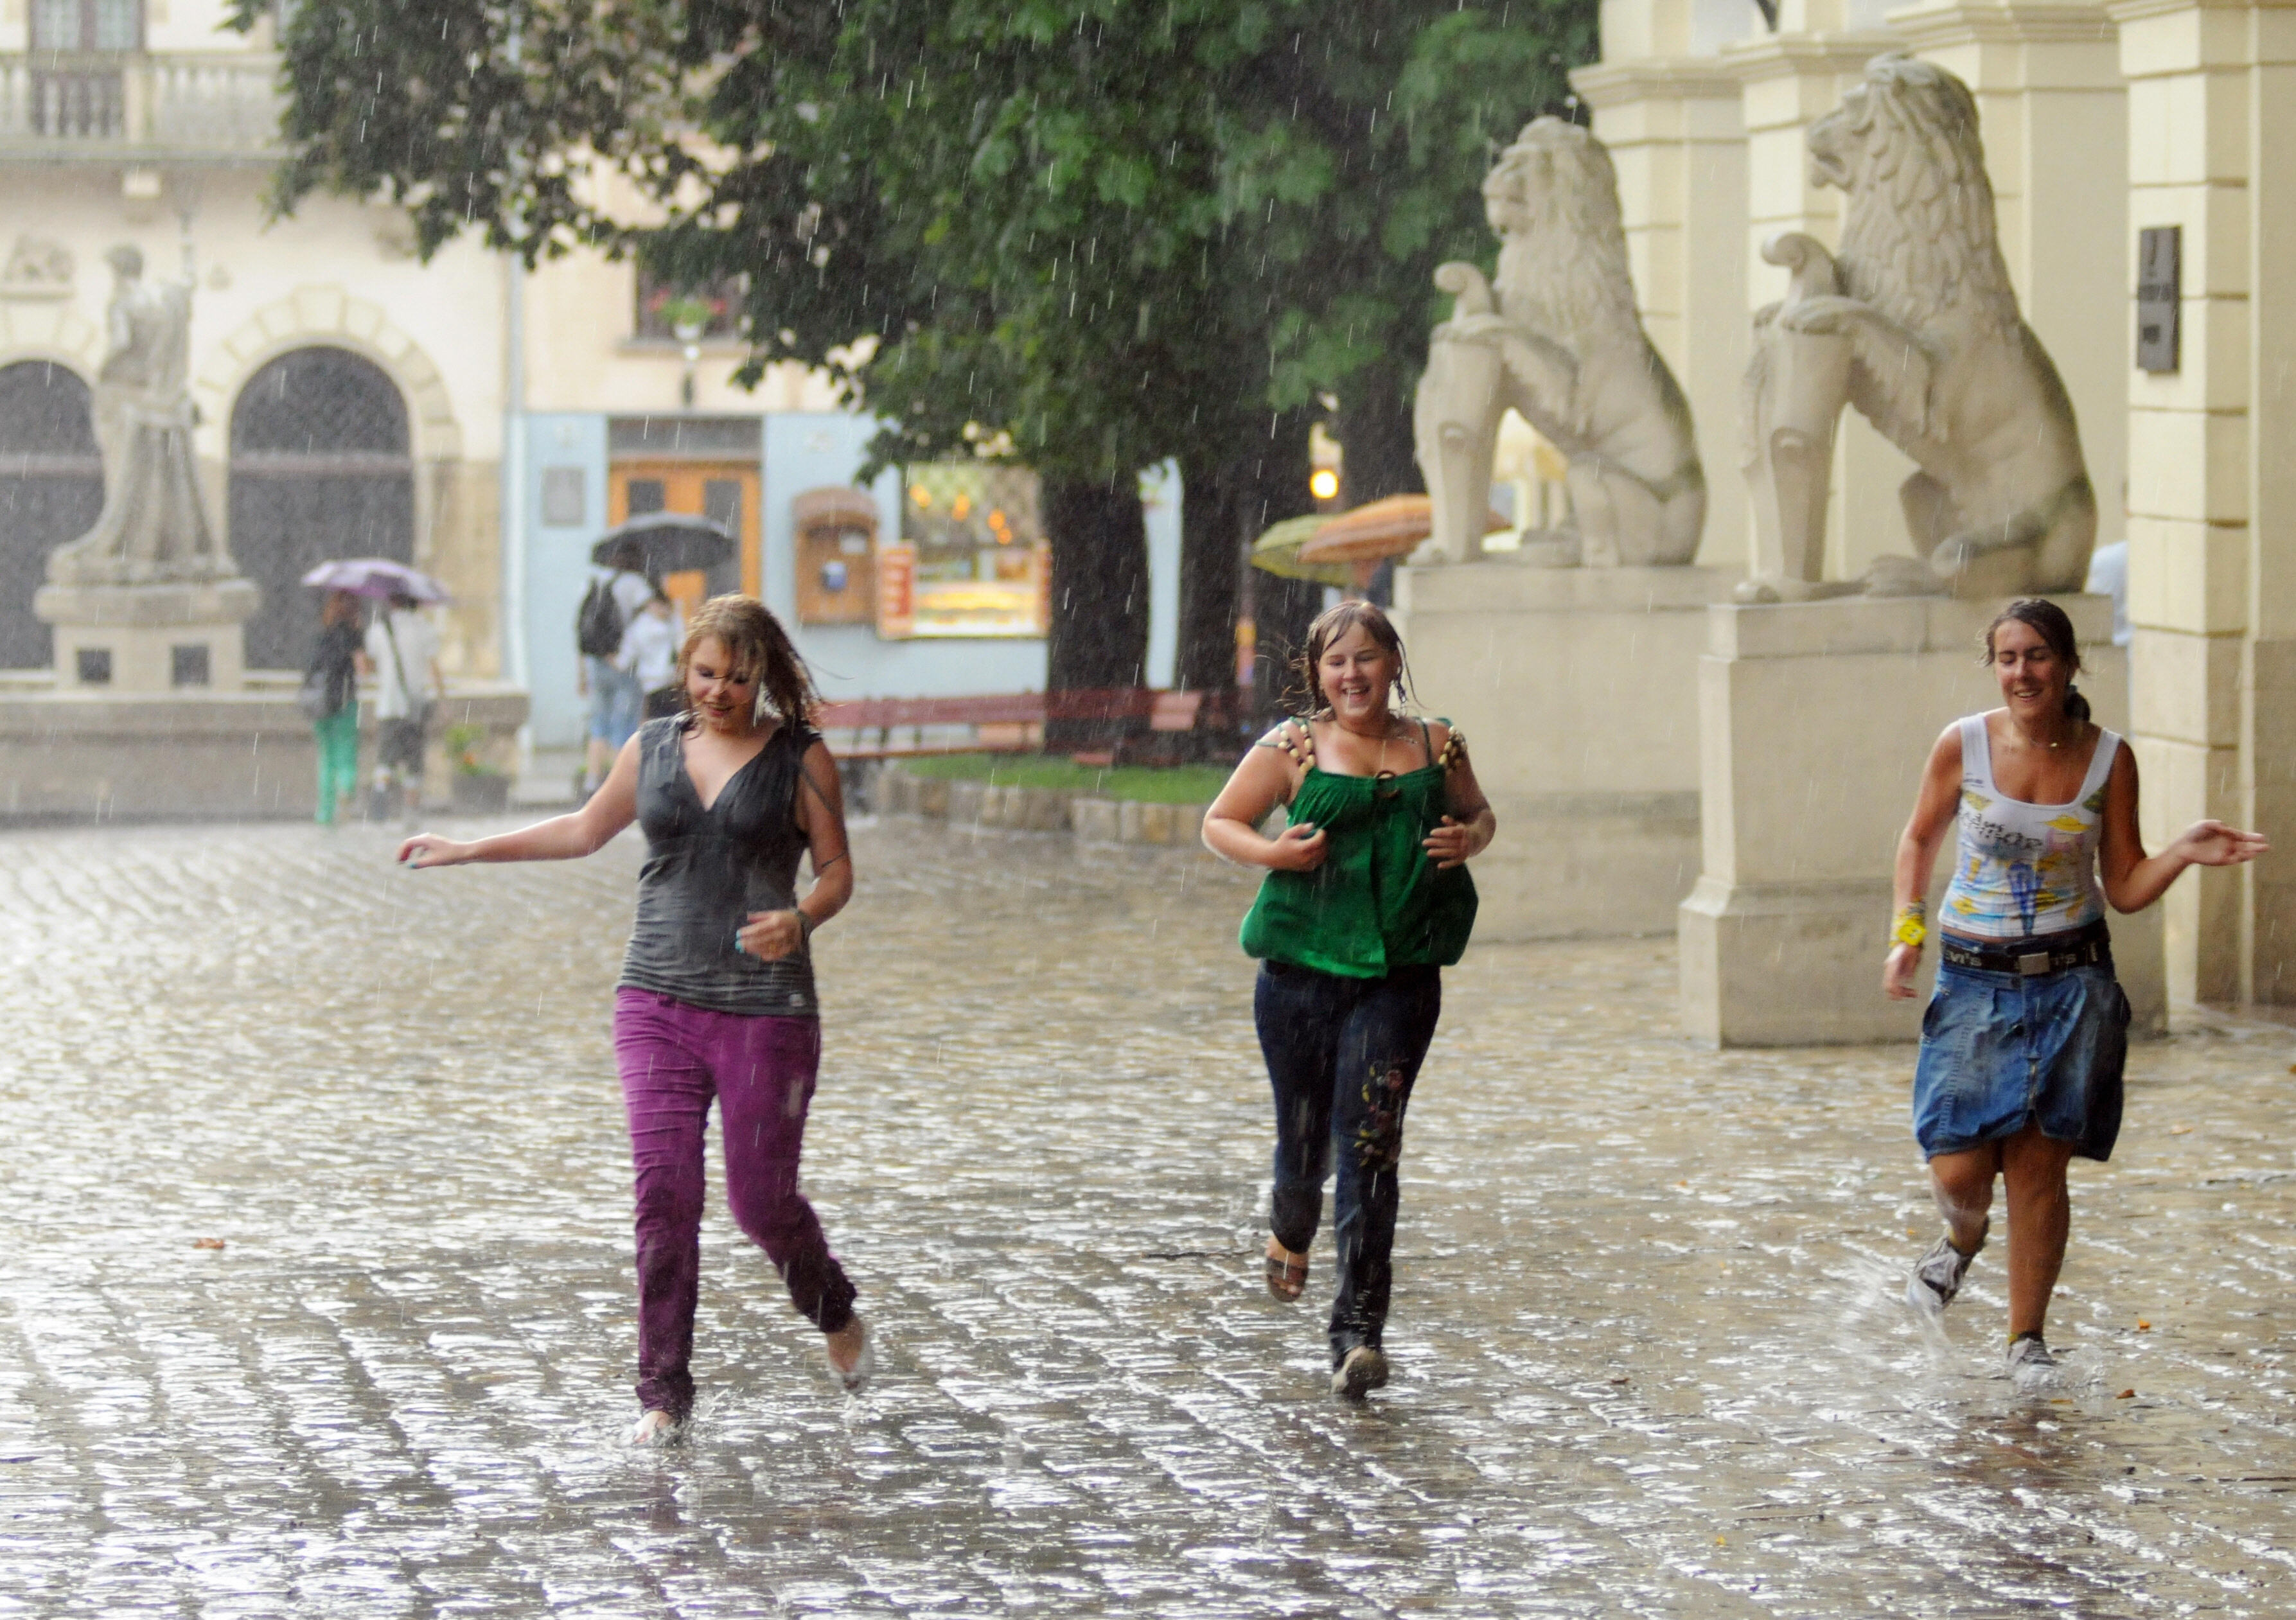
1366 900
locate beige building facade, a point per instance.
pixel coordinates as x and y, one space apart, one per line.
2099 122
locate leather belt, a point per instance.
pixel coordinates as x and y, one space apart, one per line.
2080 947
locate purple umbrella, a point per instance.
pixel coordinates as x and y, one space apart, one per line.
375 576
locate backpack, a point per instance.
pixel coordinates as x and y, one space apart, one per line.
598 622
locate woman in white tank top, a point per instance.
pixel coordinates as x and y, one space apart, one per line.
2023 1039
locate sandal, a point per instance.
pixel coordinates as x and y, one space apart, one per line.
1287 1273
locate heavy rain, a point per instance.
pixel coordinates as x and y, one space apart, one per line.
1652 1353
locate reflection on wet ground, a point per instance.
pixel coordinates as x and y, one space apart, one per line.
1650 1358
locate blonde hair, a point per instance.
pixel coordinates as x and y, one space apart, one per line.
760 650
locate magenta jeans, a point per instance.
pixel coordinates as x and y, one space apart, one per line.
674 1059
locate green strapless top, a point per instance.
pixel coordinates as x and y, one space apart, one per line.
1377 903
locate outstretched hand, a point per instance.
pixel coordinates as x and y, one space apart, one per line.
2214 844
426 849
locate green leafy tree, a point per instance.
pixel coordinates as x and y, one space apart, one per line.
1087 235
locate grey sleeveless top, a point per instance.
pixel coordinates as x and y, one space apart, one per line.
706 870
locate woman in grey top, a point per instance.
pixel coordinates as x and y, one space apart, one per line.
716 996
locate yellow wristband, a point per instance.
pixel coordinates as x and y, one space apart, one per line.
1909 931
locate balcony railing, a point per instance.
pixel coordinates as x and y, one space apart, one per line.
192 105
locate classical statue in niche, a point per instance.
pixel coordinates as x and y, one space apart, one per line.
1915 323
152 528
1560 341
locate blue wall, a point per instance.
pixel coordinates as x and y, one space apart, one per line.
803 450
557 565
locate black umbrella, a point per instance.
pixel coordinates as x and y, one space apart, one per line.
667 543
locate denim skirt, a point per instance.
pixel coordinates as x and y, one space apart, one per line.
2004 1050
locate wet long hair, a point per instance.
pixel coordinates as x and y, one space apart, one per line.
759 649
2046 620
1330 626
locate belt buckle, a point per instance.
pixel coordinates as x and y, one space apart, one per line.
2032 963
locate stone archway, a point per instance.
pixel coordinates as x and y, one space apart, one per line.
429 442
50 490
319 470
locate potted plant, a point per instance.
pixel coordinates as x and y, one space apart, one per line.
478 789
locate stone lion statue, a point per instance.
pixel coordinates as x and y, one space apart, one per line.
1915 324
1563 345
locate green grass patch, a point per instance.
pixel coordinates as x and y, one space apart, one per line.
1191 784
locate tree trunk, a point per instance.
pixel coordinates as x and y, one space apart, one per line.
1211 577
1270 488
1098 636
1376 458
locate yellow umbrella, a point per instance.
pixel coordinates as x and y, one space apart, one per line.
1278 552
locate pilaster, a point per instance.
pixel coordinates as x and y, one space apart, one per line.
2211 145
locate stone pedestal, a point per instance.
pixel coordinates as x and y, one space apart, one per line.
150 638
88 754
1815 718
1576 689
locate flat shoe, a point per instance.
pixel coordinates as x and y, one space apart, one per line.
1362 1370
1287 1273
855 1377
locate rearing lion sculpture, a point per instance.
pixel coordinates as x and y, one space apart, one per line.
1564 347
1915 323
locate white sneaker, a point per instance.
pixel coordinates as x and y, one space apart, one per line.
1936 1279
2031 1367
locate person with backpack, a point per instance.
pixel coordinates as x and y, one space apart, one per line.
649 655
402 655
329 699
618 593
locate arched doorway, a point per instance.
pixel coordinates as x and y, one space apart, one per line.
319 470
50 490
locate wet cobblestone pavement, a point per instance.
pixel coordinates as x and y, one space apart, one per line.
1650 1359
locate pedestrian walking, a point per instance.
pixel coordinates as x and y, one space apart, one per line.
1366 900
330 697
648 657
2024 1037
401 654
717 995
618 594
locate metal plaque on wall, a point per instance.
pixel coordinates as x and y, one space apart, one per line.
2160 288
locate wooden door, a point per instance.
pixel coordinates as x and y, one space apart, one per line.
727 491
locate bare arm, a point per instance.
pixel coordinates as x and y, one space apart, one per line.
563 838
2132 881
1934 809
1264 778
1470 827
821 813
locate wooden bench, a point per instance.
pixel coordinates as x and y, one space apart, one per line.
1010 722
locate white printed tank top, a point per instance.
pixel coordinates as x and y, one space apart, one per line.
2023 869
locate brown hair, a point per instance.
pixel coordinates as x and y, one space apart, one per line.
2046 620
760 649
1330 626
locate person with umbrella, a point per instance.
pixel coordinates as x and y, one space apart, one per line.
330 696
401 647
401 655
618 593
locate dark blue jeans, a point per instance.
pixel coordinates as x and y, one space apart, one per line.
1342 1055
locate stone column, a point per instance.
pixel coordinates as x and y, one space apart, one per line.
2211 459
1674 127
1787 81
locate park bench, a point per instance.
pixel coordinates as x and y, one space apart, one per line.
1123 717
